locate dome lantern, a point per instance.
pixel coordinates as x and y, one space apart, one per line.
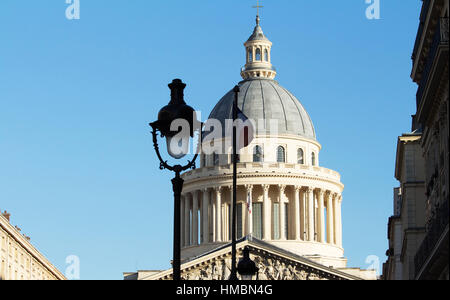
258 59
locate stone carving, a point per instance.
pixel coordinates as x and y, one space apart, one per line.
269 268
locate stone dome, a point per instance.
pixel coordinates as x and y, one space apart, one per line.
264 99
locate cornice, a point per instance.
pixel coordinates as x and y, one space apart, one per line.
224 180
25 244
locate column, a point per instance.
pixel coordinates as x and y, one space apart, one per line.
321 229
297 212
335 219
249 209
282 218
302 215
195 219
187 221
330 232
267 218
213 219
310 192
182 222
339 223
229 215
218 215
205 209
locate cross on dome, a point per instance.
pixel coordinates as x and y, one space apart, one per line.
257 11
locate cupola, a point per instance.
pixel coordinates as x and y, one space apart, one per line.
258 59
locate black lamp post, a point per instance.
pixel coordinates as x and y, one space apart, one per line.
177 109
246 267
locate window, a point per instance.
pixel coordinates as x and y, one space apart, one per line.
203 163
257 220
266 55
300 156
258 54
250 55
281 155
215 159
313 159
258 154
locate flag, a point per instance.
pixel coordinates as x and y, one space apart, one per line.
245 130
249 203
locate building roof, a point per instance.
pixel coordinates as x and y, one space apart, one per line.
264 99
258 34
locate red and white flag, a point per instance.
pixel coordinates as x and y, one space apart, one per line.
245 130
249 203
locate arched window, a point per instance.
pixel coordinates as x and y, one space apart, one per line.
300 156
313 159
266 55
250 55
258 54
281 155
215 159
258 156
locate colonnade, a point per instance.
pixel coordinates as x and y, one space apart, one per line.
280 212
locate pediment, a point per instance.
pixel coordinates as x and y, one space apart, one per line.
273 263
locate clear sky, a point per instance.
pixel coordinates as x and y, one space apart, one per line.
77 167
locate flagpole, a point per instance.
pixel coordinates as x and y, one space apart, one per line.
233 275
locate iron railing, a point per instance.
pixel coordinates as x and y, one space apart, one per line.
437 226
440 38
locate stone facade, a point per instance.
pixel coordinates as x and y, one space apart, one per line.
406 227
299 204
19 260
430 72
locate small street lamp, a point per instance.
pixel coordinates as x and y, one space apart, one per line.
246 267
176 110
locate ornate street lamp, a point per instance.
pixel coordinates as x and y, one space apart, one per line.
246 267
172 124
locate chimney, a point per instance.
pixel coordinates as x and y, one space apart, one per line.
6 215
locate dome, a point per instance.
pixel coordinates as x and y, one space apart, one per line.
264 99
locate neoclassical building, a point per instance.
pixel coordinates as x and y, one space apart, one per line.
288 206
19 260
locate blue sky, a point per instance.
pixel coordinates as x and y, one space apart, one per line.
77 167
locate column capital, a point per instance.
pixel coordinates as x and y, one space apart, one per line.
321 192
218 189
196 193
249 187
297 188
309 189
266 187
205 190
282 188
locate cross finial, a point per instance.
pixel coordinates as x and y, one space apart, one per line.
257 11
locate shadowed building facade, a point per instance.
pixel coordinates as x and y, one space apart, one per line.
430 72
